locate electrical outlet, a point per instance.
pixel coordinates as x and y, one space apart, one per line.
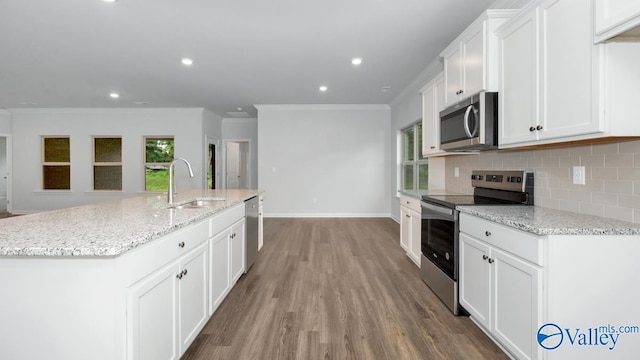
579 175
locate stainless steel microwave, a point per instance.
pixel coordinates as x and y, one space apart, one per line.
471 124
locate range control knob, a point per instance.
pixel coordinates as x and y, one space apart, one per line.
476 177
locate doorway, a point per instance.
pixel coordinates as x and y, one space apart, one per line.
237 164
4 172
212 163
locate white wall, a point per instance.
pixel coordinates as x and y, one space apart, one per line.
5 122
324 160
244 129
186 125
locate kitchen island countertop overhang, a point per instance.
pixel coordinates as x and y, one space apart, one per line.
111 228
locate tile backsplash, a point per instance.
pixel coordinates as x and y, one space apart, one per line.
612 187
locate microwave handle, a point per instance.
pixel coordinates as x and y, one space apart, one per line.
466 121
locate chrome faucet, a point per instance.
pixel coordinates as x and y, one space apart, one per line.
171 192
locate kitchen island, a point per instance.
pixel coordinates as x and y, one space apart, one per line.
125 279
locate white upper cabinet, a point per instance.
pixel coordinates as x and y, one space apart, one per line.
616 18
432 103
470 61
554 83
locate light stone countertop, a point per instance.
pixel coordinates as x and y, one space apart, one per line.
543 221
109 228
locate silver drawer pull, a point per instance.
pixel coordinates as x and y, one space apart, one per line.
491 261
181 244
487 233
484 257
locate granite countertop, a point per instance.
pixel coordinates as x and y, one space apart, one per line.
543 221
110 228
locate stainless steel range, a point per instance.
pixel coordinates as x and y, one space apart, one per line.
439 264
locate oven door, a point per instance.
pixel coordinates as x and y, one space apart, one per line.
439 237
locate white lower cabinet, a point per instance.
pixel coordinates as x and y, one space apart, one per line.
501 291
168 309
236 236
220 269
410 227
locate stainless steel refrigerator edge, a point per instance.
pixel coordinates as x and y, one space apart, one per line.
251 233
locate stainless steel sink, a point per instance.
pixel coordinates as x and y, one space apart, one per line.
199 203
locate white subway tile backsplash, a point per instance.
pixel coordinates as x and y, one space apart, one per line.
612 186
618 160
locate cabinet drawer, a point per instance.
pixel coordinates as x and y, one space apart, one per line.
410 202
140 262
520 243
226 219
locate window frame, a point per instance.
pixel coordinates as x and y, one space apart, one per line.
44 163
418 158
145 164
105 163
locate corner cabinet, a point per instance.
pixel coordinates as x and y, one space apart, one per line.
513 282
614 18
502 288
470 61
410 227
555 85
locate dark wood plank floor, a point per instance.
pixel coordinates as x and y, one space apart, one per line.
336 289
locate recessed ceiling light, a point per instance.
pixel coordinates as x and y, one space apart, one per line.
356 61
109 0
140 103
323 88
186 61
385 88
114 95
31 103
239 109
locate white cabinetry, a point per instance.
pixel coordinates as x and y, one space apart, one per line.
432 103
226 245
168 308
615 17
470 61
260 223
501 288
410 227
554 82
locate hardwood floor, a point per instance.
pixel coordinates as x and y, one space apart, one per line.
336 289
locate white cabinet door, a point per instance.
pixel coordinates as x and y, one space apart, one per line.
237 250
517 291
432 103
219 269
567 69
475 294
405 228
473 60
153 317
615 16
453 76
193 295
519 90
416 234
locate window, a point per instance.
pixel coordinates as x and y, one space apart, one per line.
414 173
158 155
56 163
107 163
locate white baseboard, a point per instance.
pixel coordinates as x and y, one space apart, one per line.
327 215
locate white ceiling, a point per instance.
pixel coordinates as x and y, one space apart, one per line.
73 53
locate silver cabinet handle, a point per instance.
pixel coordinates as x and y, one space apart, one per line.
532 129
487 233
491 261
181 244
539 127
484 257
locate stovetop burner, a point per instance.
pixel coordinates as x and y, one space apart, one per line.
491 187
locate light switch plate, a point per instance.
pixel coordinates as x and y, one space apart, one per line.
579 175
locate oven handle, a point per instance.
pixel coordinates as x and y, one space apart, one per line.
436 208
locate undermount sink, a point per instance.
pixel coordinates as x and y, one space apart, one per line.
199 203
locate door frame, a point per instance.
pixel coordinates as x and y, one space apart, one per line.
247 165
208 140
9 172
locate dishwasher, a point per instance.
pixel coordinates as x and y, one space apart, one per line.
251 231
